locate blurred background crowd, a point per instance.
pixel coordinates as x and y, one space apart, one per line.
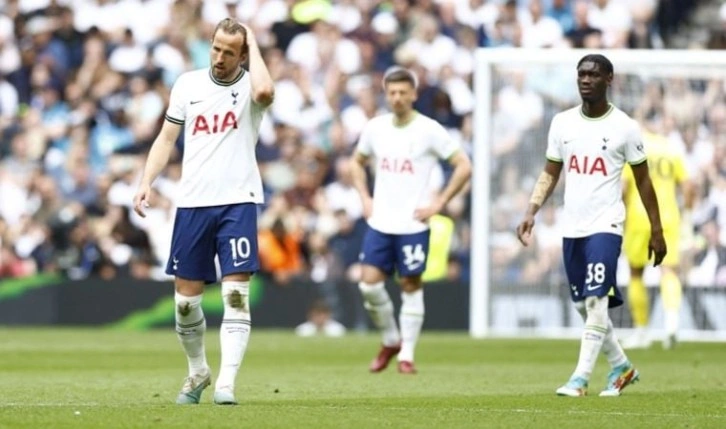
84 85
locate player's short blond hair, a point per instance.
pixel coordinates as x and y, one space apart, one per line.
232 26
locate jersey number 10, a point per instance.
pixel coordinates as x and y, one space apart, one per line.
240 247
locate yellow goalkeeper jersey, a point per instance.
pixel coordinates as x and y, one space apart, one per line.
667 172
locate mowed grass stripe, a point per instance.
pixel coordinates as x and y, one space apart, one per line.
117 379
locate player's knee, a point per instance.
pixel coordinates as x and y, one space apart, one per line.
188 287
374 295
669 270
371 275
411 283
636 272
413 303
580 307
237 277
597 310
236 296
371 290
186 304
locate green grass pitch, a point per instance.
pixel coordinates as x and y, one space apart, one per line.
73 378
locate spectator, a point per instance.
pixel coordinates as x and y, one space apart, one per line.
280 245
8 103
82 90
710 258
582 34
541 31
320 322
643 34
561 11
613 19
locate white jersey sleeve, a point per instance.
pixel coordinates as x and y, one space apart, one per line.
364 141
442 144
177 112
634 150
554 141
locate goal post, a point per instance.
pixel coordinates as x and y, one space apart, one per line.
519 292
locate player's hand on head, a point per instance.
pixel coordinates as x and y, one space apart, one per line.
141 200
250 32
524 230
657 248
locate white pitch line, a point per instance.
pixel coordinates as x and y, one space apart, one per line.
353 407
48 404
518 410
604 413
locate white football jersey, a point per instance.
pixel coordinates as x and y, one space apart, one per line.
404 159
221 124
594 153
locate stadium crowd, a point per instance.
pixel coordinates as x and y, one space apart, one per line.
84 85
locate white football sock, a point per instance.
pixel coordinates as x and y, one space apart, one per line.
611 347
411 319
234 332
190 328
596 327
380 308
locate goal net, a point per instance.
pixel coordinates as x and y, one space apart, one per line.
518 291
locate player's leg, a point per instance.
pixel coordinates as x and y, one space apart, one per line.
591 264
411 256
573 255
377 257
636 251
593 336
671 290
238 258
611 347
602 253
192 263
191 327
622 372
639 305
672 296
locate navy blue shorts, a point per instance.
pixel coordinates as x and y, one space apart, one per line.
591 264
406 253
201 233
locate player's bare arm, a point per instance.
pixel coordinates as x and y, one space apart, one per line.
657 245
158 157
461 175
263 87
542 190
360 180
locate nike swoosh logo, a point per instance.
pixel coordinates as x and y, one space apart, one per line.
175 260
594 287
237 264
566 141
195 102
414 266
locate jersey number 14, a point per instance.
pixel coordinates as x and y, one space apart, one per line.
413 256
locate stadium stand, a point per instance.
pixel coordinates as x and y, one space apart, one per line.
83 87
